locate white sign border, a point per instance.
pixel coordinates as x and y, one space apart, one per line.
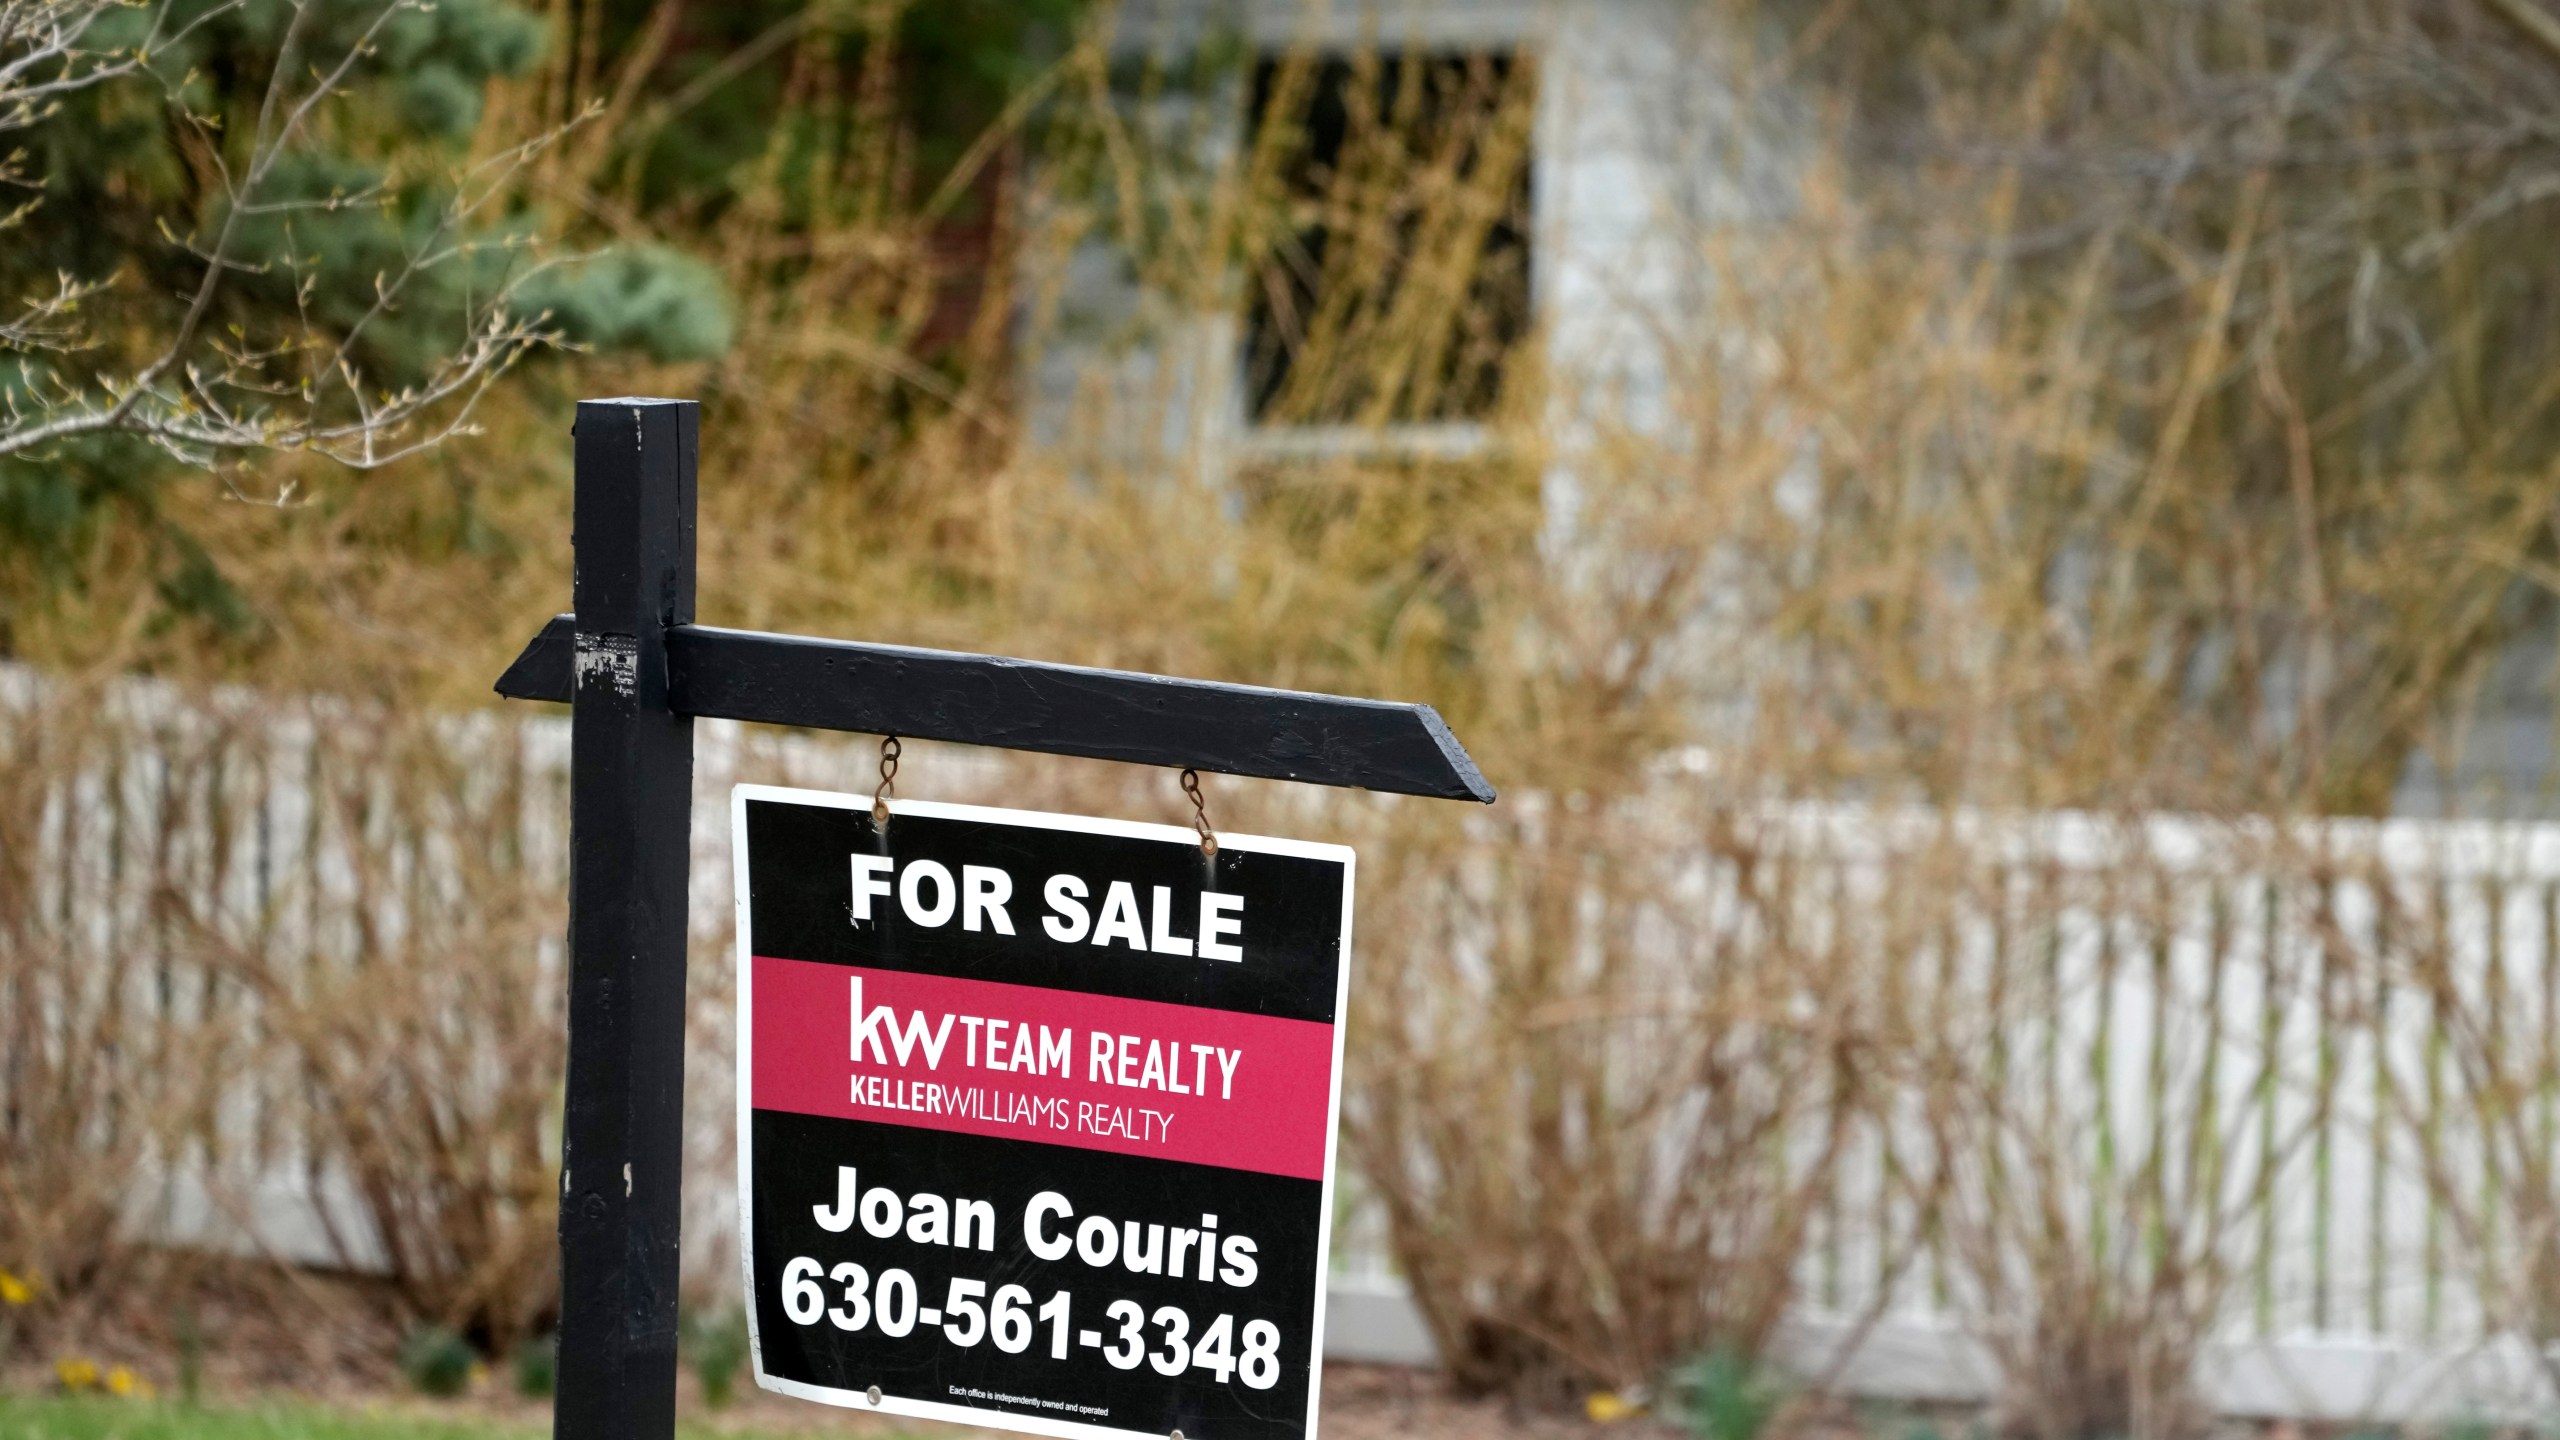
889 1404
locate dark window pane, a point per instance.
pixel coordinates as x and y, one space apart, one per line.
1392 279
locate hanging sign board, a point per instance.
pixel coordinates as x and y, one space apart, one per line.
1036 1115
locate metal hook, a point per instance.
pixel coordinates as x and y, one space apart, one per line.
888 780
1199 812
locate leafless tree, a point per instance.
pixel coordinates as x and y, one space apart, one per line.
201 392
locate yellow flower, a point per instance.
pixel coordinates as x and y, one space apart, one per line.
1605 1406
121 1381
14 1291
76 1374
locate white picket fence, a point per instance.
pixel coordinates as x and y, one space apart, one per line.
2172 1005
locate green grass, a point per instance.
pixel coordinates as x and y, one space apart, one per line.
55 1418
23 1418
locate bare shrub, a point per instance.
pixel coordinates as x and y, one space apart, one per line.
2474 1104
2104 1077
431 1046
253 942
81 1103
1600 1047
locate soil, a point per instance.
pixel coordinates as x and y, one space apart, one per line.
1379 1402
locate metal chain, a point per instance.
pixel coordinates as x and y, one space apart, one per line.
1199 811
888 780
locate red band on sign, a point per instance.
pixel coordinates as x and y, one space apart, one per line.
1210 1087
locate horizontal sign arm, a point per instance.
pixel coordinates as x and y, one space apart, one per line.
1033 705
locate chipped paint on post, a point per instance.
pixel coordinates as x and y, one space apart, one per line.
613 658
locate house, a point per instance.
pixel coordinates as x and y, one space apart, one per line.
1628 142
1641 137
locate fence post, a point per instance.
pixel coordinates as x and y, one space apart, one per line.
630 816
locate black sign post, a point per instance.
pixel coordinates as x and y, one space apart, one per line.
635 671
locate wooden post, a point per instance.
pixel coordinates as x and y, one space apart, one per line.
630 846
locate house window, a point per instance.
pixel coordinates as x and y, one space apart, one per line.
1390 277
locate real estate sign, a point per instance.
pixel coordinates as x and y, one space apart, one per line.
1036 1114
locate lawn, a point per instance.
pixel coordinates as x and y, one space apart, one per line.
54 1418
24 1418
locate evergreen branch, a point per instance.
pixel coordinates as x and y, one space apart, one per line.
273 142
200 397
428 255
